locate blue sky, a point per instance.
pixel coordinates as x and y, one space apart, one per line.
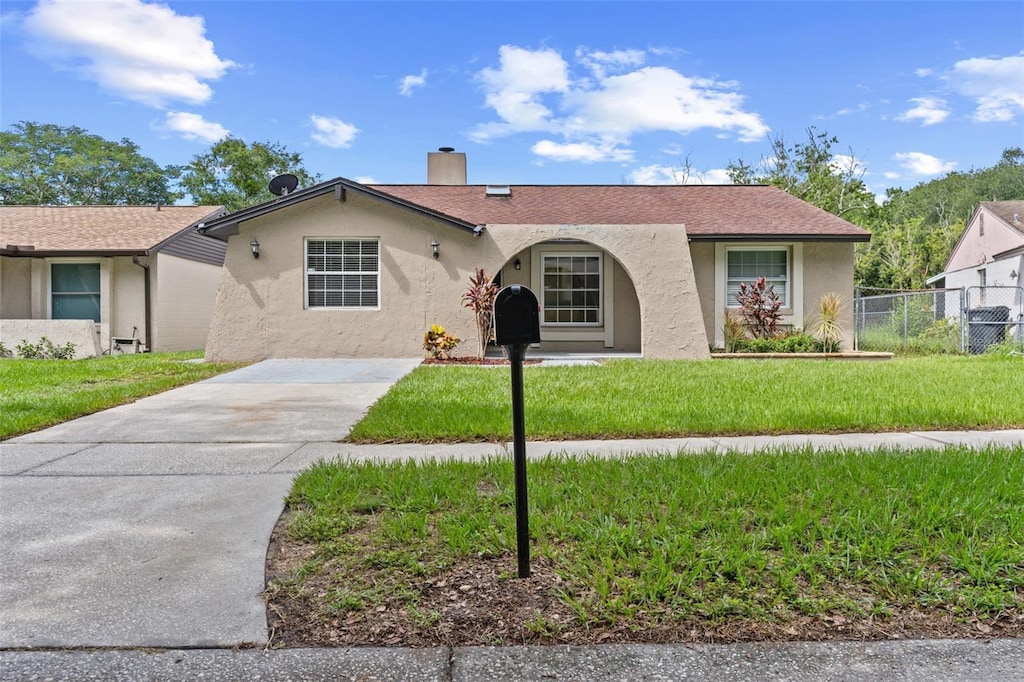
574 92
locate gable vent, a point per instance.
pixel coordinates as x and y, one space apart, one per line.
499 190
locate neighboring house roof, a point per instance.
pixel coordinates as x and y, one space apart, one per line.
747 212
707 211
99 230
1006 211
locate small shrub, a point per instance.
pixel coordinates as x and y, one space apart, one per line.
45 349
796 342
479 298
760 305
439 343
734 330
5 352
828 327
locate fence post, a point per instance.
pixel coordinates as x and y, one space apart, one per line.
906 322
856 327
963 320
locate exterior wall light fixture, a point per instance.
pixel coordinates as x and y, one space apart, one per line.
433 247
518 265
255 246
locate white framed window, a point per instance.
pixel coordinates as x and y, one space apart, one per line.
343 273
572 285
746 264
75 291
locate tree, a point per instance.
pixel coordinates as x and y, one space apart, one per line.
44 163
235 174
811 171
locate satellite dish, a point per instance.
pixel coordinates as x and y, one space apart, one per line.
283 184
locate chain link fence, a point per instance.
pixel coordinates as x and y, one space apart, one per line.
931 321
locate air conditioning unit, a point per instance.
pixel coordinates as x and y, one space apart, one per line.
121 346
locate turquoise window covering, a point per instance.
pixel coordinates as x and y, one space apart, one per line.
75 291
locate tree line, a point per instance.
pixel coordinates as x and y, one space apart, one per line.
42 163
912 231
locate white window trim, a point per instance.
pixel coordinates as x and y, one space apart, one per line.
787 294
42 294
792 314
306 272
605 330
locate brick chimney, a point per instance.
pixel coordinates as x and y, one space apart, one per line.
446 167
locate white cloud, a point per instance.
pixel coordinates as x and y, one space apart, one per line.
922 73
889 175
995 83
919 163
332 132
672 175
534 91
601 62
194 127
145 52
585 152
930 110
366 180
409 82
863 106
846 164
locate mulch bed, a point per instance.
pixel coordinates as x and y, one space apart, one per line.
474 361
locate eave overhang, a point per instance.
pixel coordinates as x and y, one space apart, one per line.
224 226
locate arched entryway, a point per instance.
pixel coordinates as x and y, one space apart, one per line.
588 300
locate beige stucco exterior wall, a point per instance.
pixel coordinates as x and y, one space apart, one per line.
828 267
127 301
183 295
703 256
81 333
260 304
15 288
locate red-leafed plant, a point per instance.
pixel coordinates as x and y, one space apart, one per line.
760 305
479 298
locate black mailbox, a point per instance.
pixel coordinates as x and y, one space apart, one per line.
516 316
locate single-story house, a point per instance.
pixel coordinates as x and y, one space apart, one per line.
108 277
987 262
356 270
990 250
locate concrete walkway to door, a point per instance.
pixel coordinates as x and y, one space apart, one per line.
147 525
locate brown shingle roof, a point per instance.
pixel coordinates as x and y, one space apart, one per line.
95 228
1006 210
728 211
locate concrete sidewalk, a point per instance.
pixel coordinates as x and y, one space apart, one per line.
1000 660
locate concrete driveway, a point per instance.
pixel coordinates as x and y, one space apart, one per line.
146 525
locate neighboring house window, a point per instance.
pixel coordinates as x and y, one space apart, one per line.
342 273
572 288
746 265
75 291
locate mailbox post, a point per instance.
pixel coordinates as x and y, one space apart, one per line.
516 325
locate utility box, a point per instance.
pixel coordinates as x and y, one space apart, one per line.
516 317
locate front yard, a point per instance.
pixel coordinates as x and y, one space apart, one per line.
645 398
689 548
35 394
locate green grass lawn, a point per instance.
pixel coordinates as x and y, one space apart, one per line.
39 393
648 548
648 398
